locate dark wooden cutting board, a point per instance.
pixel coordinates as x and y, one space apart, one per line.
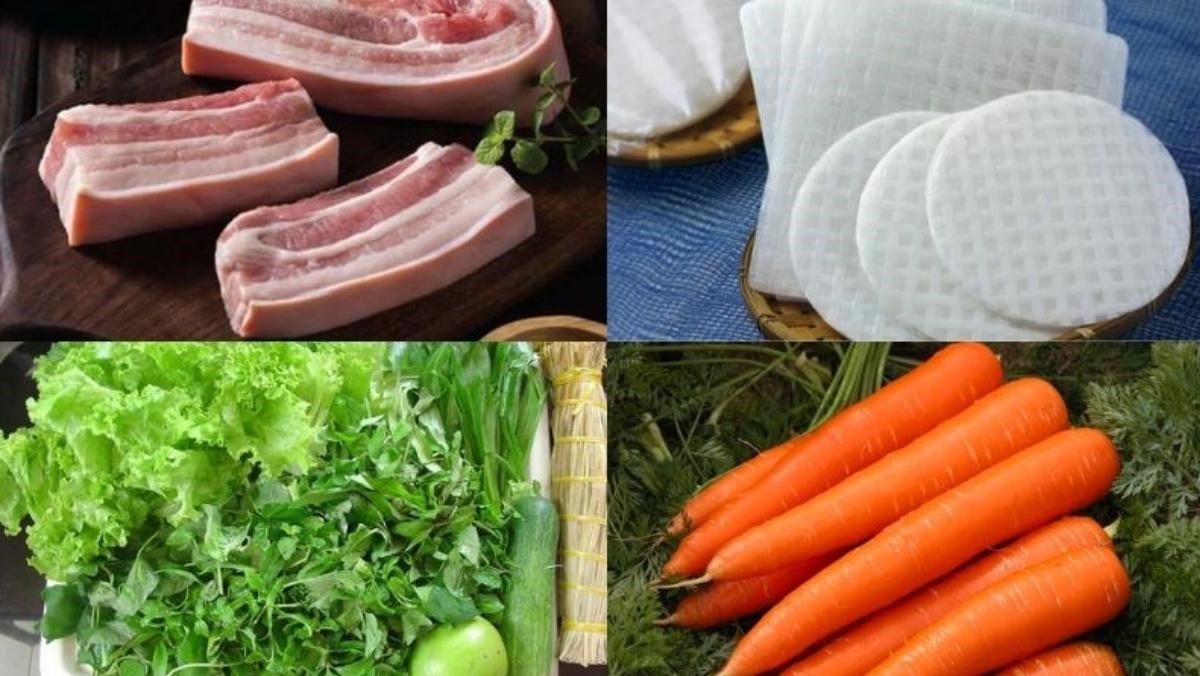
163 286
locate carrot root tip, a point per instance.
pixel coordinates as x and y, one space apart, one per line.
694 582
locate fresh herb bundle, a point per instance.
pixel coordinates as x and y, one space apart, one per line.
270 509
580 133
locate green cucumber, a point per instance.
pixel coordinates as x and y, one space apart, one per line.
529 625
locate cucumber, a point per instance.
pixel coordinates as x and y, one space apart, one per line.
529 625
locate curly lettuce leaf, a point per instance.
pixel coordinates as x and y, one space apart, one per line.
126 432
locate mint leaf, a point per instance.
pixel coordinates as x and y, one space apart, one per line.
489 151
502 127
545 101
529 157
590 115
374 636
413 623
137 588
468 545
447 608
546 78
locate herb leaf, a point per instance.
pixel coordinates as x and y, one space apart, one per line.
489 151
447 608
64 608
580 133
529 157
139 584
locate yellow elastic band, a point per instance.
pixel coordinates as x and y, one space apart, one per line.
595 591
581 440
579 375
597 520
586 556
586 627
578 479
582 403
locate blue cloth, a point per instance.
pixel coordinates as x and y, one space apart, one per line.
675 236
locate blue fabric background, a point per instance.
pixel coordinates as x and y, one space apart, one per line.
675 237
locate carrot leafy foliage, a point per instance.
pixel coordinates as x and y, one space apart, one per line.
680 415
1155 421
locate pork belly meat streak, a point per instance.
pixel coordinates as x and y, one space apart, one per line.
118 171
446 60
414 228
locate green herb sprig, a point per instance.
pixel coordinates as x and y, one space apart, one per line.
580 133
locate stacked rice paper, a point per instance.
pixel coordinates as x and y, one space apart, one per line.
671 63
823 69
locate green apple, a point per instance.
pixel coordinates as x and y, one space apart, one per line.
471 649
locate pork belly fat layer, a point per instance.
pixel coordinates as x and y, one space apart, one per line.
410 230
393 58
119 171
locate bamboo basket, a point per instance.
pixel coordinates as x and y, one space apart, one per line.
721 135
579 484
541 329
786 320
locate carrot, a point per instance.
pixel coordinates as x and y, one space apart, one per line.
992 429
1053 478
731 484
1091 659
867 644
1019 616
723 602
858 436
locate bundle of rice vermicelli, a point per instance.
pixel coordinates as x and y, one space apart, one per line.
579 486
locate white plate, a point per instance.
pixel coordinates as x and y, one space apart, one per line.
825 253
1058 208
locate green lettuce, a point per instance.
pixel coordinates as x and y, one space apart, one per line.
269 508
123 431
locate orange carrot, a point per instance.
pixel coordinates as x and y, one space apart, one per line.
1072 659
866 645
858 436
1019 616
1053 478
723 602
992 429
731 484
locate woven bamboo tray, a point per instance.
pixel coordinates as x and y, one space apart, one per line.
720 135
786 320
550 329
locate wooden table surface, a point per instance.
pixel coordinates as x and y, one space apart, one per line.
52 48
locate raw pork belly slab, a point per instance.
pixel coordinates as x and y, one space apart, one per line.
418 226
446 60
118 171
